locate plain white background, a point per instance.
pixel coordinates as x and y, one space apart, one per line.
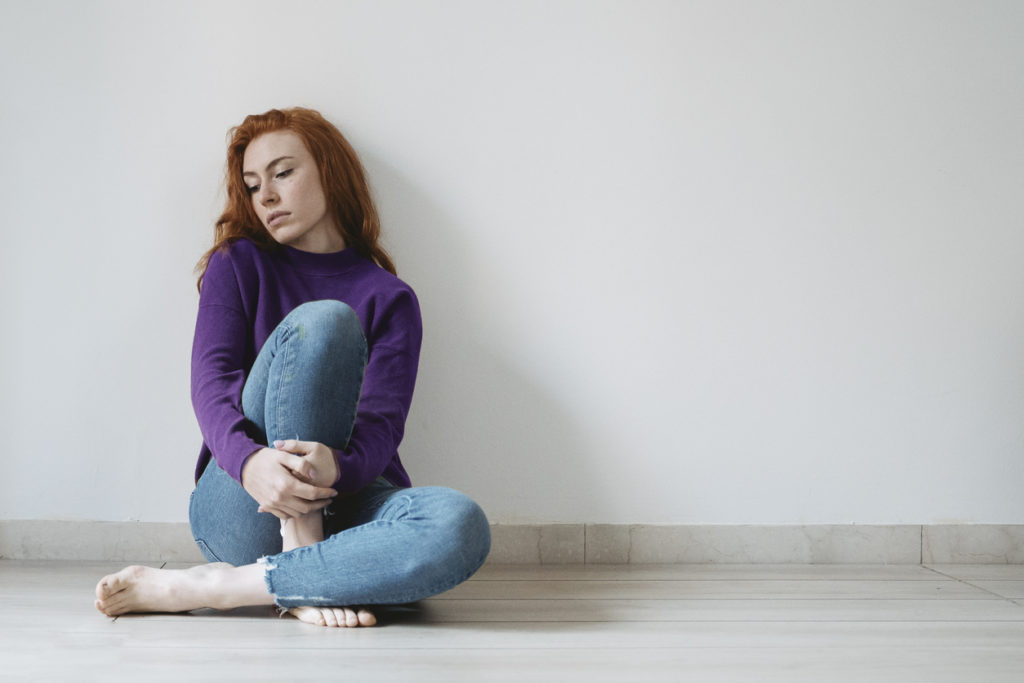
679 262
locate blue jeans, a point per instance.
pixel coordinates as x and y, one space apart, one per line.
382 545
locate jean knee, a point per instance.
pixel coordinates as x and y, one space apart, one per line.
237 549
232 533
194 522
329 315
469 528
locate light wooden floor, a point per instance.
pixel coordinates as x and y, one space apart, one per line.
817 623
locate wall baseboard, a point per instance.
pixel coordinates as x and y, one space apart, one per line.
758 544
144 542
152 542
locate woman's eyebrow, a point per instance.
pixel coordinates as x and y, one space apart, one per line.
269 166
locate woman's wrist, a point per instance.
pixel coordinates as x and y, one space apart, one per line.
337 467
249 459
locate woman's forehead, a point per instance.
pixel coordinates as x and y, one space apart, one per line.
268 147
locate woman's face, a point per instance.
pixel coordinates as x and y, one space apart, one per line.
284 184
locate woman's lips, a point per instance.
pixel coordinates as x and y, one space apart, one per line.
276 217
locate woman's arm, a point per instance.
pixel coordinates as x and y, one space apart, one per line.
388 383
218 368
276 480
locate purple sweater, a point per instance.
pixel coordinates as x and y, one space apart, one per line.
246 292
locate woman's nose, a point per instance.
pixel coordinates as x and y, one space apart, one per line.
267 196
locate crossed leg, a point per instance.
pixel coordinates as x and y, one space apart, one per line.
326 353
145 589
218 585
307 530
404 545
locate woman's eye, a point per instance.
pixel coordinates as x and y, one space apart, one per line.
285 174
252 189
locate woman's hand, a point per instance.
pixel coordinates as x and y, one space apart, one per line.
286 486
319 456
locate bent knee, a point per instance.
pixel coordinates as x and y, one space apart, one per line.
330 312
330 317
324 308
463 528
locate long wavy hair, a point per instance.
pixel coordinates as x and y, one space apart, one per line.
341 175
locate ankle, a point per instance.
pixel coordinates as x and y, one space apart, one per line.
219 588
302 531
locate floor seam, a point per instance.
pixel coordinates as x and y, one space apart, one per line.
968 583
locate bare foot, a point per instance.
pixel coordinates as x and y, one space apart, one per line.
334 616
145 589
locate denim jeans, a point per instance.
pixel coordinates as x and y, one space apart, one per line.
382 545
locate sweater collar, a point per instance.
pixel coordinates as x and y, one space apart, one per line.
320 264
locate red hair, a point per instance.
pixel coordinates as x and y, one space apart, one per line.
341 175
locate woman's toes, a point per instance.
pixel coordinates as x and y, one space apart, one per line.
112 584
301 614
308 615
106 604
331 617
335 617
103 589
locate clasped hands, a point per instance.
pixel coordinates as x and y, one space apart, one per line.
288 486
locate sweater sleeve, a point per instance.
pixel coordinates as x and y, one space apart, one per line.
388 383
218 368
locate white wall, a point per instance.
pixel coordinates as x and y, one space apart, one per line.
679 262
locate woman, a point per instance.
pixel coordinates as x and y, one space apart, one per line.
303 367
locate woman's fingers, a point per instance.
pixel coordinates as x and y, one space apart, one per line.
298 507
301 468
316 462
294 446
286 507
305 473
280 483
313 493
281 513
